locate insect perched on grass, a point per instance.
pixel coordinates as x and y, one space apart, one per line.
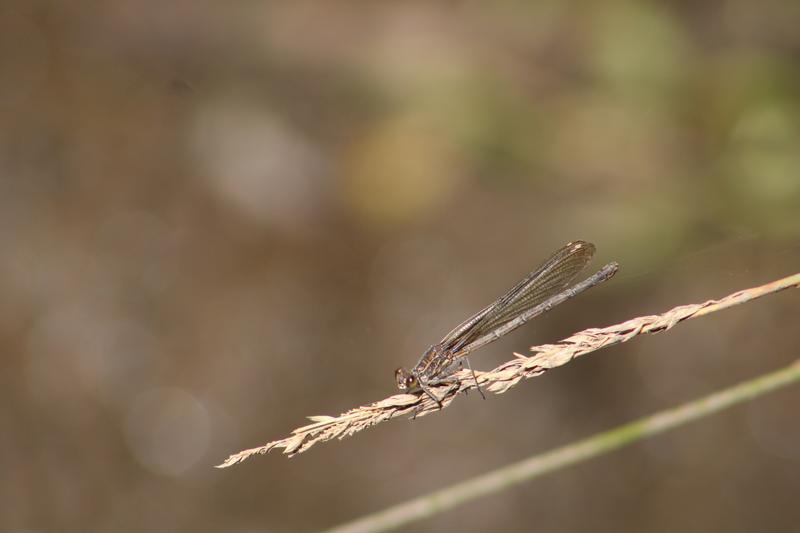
545 287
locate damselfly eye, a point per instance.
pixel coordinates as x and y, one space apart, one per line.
403 377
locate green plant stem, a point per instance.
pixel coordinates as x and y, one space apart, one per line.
447 498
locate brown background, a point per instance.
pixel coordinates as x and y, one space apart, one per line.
217 218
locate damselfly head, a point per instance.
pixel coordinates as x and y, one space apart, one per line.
405 379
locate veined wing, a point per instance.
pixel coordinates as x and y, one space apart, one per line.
549 278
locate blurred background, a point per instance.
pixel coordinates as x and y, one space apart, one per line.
219 218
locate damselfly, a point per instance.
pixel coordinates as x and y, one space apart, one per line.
545 287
